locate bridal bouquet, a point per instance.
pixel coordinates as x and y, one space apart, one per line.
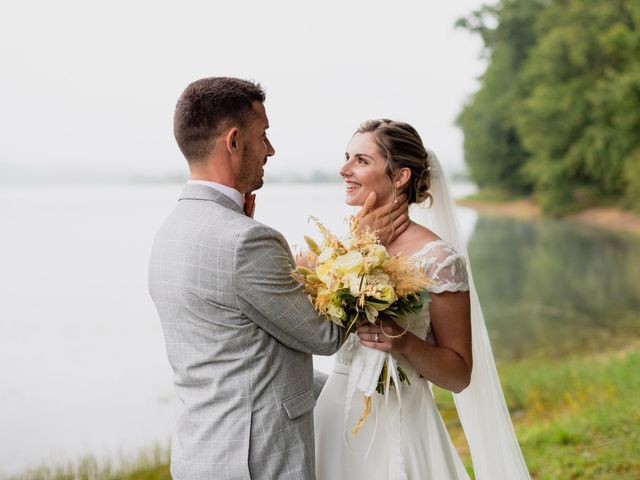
354 280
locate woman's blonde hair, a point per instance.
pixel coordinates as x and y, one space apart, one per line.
402 147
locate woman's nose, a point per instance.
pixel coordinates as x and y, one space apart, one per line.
345 170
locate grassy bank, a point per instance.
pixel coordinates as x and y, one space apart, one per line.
576 418
580 417
148 465
498 202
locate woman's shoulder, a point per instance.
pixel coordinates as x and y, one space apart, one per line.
424 235
426 243
441 262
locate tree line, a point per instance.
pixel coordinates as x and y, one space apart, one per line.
557 114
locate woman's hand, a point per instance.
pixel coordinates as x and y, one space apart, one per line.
385 335
449 362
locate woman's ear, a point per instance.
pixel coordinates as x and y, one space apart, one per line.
402 177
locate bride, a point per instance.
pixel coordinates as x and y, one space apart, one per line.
404 436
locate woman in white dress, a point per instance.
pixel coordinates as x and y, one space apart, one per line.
404 436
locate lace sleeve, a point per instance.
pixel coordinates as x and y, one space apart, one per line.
446 267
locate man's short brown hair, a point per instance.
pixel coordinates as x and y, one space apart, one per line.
209 105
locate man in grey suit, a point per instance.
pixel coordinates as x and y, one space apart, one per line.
239 331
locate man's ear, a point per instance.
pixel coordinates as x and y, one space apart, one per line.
402 177
232 140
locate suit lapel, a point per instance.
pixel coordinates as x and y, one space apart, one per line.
202 192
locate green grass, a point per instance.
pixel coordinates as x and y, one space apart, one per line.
148 465
576 418
494 195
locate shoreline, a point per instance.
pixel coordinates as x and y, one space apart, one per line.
600 217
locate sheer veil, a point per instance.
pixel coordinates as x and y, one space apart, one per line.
481 406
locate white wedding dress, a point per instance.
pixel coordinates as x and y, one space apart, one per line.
404 441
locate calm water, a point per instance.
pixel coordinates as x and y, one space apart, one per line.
554 288
82 354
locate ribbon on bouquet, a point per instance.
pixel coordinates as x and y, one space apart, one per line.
363 376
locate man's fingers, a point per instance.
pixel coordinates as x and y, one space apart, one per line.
399 201
368 204
402 221
402 209
393 208
402 206
400 224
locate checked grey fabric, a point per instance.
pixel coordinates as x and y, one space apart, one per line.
240 334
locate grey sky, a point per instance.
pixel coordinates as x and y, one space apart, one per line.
93 84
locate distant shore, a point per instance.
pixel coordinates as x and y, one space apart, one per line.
601 217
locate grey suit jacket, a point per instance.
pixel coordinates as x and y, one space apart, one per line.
240 334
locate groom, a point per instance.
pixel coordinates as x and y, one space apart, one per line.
239 331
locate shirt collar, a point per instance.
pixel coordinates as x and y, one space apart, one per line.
232 193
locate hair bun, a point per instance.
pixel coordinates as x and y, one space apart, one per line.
422 184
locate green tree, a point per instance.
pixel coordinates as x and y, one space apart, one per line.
580 119
558 109
492 147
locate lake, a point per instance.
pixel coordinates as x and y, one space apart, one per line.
83 365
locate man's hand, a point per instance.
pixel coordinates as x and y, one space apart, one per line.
388 220
249 204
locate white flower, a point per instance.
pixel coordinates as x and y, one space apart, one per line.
351 262
371 313
348 241
326 254
355 283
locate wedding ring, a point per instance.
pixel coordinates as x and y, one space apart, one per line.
377 337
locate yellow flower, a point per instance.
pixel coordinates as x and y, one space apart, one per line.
324 272
326 254
380 252
351 262
385 293
336 311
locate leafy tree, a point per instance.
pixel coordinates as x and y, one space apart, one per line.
559 104
492 146
580 118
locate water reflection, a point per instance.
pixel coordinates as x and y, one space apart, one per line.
554 288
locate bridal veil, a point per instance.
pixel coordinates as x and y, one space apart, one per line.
481 406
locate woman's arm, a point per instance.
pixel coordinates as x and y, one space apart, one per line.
448 363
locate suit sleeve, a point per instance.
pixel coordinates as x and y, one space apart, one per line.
319 380
275 301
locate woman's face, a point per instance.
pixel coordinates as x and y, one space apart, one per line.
364 171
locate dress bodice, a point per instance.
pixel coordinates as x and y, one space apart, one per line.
446 267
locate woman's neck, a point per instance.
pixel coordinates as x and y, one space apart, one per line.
411 240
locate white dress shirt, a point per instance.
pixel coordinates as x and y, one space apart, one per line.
232 193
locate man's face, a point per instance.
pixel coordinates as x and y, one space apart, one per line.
257 148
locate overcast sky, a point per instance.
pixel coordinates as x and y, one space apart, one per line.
92 85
